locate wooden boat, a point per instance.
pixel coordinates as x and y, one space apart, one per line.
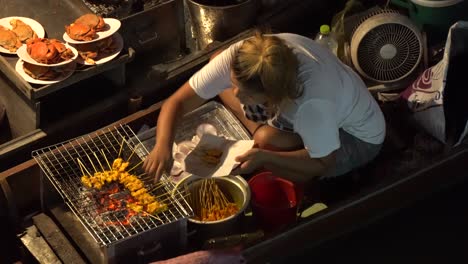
351 204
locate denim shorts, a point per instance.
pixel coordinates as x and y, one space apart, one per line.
352 154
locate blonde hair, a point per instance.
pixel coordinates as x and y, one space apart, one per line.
265 64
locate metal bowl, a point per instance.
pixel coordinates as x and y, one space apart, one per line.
233 186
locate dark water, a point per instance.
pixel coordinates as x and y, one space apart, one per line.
220 2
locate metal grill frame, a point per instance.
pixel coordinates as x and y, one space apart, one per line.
59 163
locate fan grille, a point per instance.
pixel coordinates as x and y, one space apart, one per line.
399 39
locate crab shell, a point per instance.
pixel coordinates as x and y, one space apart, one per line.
41 50
48 51
79 31
9 40
93 21
22 30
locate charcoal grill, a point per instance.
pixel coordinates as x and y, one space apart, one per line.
60 164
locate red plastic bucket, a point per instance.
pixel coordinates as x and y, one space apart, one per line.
274 200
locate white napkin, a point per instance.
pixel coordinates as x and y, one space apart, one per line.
230 149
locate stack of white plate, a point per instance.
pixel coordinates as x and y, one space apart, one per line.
112 25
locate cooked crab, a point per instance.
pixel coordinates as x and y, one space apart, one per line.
9 40
22 30
40 72
85 27
93 21
78 31
48 51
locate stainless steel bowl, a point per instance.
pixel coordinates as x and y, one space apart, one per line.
234 186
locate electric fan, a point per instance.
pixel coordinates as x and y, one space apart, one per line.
385 46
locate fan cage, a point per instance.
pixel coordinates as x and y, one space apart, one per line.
356 20
402 38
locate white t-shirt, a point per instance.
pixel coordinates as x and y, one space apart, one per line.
334 96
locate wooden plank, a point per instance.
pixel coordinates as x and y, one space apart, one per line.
23 168
27 200
133 121
362 209
57 240
17 144
18 81
78 233
21 114
34 93
82 74
38 246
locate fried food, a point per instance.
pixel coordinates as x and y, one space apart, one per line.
93 21
210 156
90 52
48 51
210 203
40 72
22 30
9 40
144 201
80 32
85 27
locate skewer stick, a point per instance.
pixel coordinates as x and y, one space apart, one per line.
169 197
105 157
157 185
153 216
135 166
121 146
83 166
133 151
100 164
92 164
140 176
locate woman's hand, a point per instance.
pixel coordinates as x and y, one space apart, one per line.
159 160
250 161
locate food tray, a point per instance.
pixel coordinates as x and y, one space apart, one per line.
214 113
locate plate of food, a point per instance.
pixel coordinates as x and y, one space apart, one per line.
47 52
15 31
37 74
90 28
101 51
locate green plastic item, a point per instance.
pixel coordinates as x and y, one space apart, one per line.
435 17
325 29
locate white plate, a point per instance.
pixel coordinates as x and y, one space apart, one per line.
67 72
36 26
112 25
24 55
118 40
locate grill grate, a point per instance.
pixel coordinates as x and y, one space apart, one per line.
61 166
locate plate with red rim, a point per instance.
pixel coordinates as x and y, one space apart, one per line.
112 25
117 39
65 72
24 55
36 26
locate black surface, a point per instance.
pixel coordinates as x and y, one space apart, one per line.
434 230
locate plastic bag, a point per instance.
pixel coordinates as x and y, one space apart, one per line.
338 27
437 98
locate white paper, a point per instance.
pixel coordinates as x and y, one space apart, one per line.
230 149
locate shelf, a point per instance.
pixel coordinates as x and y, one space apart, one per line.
34 92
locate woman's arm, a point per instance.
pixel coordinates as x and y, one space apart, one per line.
182 101
296 165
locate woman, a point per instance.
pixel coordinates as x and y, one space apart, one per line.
309 114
